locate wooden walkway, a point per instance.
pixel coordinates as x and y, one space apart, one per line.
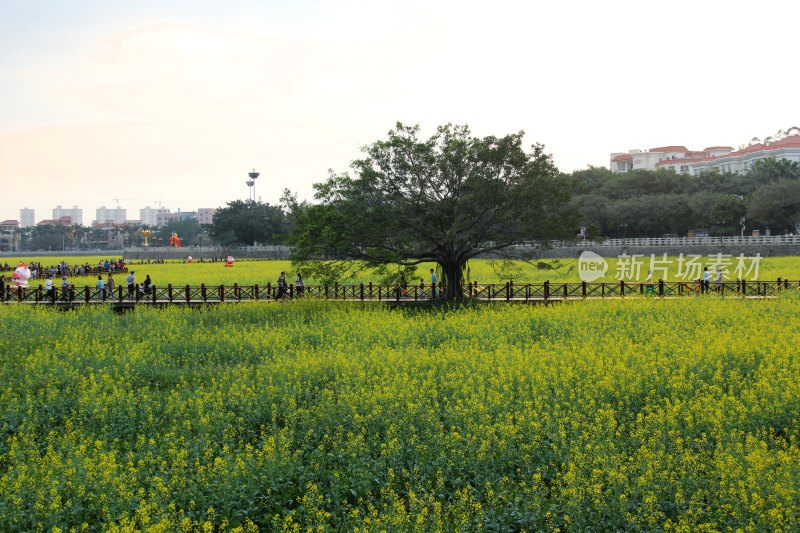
493 292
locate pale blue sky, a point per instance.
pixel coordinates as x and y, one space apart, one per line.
175 101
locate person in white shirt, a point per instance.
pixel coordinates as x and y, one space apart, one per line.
131 285
48 288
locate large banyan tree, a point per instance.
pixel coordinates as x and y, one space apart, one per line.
445 199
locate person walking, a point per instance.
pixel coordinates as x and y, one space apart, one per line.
49 291
281 294
718 280
434 280
2 289
110 286
299 286
131 280
706 280
101 288
148 284
64 288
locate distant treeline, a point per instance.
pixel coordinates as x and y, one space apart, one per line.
644 203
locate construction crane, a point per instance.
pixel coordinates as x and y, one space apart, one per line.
117 200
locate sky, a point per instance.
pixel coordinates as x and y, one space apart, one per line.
171 102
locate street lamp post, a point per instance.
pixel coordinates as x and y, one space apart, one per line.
251 183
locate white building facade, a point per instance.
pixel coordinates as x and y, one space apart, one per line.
205 215
27 218
149 215
117 215
75 214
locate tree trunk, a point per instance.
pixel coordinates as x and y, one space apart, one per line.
453 272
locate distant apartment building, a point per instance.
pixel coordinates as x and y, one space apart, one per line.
205 215
784 145
75 214
116 215
166 217
149 215
27 218
9 236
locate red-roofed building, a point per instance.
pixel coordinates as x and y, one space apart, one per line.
61 221
652 158
784 145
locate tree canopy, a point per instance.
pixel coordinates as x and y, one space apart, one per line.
247 222
189 231
444 199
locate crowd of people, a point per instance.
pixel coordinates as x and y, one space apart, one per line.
135 291
39 271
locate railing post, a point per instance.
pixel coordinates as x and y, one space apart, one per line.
255 292
661 287
361 288
291 291
203 293
220 291
169 292
622 288
86 294
508 290
780 284
269 290
744 287
527 291
566 290
153 294
546 290
474 288
583 289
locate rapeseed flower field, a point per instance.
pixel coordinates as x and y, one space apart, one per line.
261 272
675 415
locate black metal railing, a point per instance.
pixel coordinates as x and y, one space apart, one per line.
545 291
